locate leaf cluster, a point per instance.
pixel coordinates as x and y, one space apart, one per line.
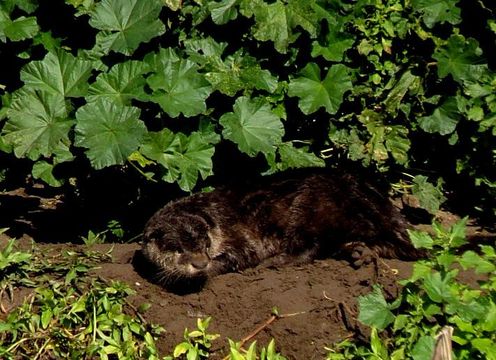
69 314
159 87
432 298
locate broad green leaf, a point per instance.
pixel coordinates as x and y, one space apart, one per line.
489 322
315 93
430 197
385 139
486 346
378 348
457 233
424 348
398 143
125 24
21 28
420 239
44 171
174 5
443 120
183 156
350 140
252 126
438 11
37 124
59 73
468 311
336 43
277 21
29 6
46 317
110 132
122 83
181 349
461 59
471 259
398 92
206 52
292 157
241 73
177 85
223 11
438 287
374 310
237 72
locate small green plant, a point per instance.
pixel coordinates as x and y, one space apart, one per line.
269 353
431 299
113 227
196 343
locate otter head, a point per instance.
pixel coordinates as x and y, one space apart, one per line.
180 248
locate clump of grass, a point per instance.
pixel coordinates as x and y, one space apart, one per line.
70 314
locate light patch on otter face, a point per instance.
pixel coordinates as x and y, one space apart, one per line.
216 237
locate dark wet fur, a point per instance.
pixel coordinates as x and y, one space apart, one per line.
289 218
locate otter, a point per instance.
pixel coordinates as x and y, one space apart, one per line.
284 219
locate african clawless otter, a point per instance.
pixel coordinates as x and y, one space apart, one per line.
295 218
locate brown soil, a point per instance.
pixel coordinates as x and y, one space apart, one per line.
317 302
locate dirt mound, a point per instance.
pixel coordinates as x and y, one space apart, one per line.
317 302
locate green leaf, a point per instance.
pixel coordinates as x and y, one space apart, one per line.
378 348
457 233
241 73
489 320
223 11
471 259
420 239
461 59
122 83
485 346
292 157
125 24
37 124
374 310
424 348
177 85
315 93
110 132
438 288
438 11
398 143
181 349
174 5
277 20
46 317
237 72
443 120
252 126
429 196
21 28
44 171
29 6
183 156
60 73
398 92
336 43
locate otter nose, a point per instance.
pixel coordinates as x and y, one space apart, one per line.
199 262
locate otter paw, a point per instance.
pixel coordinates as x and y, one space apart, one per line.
358 254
